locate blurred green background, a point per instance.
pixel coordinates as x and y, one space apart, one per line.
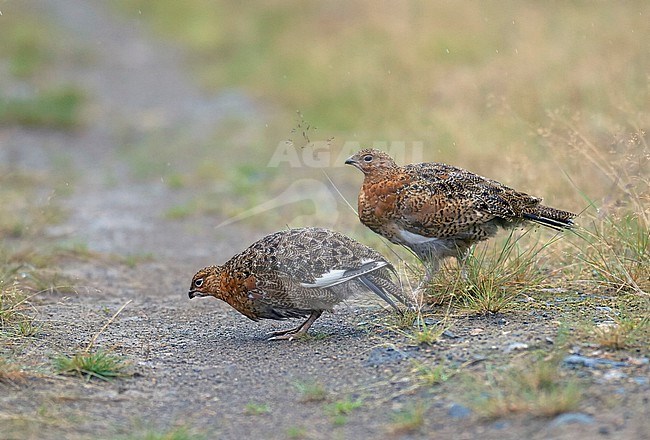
548 97
429 69
519 91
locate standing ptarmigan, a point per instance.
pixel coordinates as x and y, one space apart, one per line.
439 210
295 273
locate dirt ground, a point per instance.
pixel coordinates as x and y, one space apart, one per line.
199 364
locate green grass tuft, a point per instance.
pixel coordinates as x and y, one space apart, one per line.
623 331
535 387
494 274
404 319
432 375
99 364
427 334
408 420
255 409
180 433
57 108
296 432
616 249
16 313
341 409
311 391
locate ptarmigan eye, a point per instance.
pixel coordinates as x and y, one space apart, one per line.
367 158
198 282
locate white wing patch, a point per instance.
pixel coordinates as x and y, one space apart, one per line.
411 238
338 276
327 279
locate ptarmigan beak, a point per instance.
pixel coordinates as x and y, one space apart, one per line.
355 163
195 294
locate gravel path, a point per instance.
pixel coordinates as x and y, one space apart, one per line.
198 364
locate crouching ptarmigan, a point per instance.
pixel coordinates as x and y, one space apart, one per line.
439 210
296 273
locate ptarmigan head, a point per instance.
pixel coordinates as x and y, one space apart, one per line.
206 282
370 160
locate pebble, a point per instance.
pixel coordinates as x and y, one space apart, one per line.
384 355
639 361
449 334
576 359
554 290
516 346
458 411
614 375
426 321
500 424
567 418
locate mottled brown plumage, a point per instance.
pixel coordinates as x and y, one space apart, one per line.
439 210
295 273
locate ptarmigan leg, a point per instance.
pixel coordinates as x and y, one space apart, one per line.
462 262
431 267
298 331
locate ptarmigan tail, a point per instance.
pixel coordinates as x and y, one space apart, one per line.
551 217
383 287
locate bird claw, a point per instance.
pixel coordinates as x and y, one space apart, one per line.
284 332
284 337
288 336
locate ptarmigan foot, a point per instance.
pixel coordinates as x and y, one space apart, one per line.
288 336
284 332
298 331
431 268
